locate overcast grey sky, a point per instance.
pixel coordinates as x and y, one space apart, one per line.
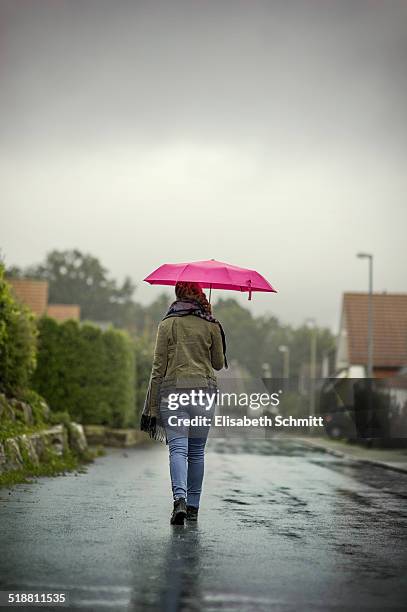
268 134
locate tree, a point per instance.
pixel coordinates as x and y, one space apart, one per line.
253 341
243 334
78 278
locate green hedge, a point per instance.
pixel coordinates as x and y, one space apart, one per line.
17 342
143 357
87 372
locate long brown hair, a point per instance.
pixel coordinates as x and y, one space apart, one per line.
192 291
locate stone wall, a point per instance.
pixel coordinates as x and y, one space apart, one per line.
35 440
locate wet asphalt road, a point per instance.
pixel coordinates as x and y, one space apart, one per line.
283 527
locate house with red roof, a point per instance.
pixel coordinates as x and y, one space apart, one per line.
389 335
34 294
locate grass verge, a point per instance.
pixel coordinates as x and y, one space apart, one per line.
54 465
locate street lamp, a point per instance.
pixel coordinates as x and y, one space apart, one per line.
283 348
311 324
369 257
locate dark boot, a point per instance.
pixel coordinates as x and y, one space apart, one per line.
179 513
192 513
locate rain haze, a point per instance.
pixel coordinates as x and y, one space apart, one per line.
270 135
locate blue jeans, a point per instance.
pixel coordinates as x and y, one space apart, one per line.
186 445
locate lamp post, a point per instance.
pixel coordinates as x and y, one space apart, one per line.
369 369
283 348
311 323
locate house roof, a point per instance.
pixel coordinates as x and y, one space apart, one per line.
389 328
62 312
33 293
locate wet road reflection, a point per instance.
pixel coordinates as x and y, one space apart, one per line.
282 527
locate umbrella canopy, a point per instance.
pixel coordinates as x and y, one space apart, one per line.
211 274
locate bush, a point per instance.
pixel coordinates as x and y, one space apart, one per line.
39 406
86 372
17 342
56 418
119 377
143 358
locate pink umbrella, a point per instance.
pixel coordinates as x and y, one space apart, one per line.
211 274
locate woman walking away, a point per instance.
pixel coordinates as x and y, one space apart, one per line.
190 345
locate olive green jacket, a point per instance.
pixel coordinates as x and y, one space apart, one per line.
187 350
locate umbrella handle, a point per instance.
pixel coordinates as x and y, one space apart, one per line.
210 292
249 282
